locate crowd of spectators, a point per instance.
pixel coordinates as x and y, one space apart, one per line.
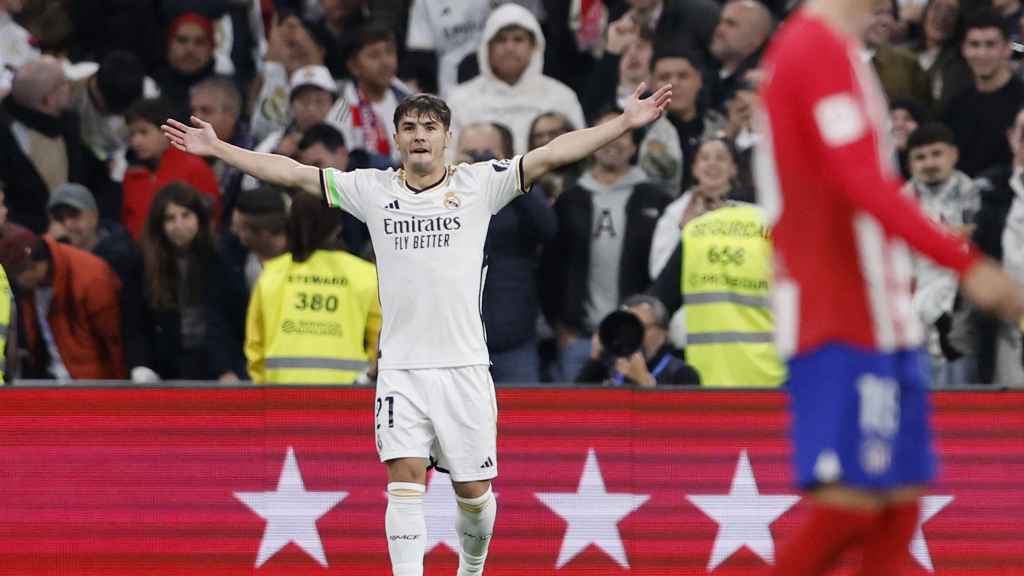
130 259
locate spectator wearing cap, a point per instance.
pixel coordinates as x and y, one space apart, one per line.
69 309
190 43
293 43
100 101
75 220
365 112
324 146
668 148
218 101
312 94
155 163
40 142
512 88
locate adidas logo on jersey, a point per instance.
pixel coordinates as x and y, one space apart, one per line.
392 206
488 463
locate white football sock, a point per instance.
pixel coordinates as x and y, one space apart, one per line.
406 528
475 526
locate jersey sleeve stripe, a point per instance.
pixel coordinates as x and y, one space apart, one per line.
330 188
521 175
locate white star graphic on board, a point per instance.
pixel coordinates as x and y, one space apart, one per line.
744 516
930 506
593 515
439 510
291 513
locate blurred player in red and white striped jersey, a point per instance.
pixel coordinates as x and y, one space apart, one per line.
843 233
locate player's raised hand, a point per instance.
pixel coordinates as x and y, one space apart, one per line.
200 140
642 111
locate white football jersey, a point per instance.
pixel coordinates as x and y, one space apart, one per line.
429 246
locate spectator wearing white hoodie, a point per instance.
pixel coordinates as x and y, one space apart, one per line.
511 88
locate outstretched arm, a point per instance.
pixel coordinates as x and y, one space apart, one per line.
579 144
274 168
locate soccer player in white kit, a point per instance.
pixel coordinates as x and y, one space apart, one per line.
435 401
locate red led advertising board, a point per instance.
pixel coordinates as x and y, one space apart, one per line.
592 481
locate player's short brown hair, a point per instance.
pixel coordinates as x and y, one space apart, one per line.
428 104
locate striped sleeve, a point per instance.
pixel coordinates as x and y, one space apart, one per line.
342 190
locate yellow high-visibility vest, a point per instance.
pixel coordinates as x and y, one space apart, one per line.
6 305
313 322
726 283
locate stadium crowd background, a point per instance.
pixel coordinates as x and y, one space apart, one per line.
131 260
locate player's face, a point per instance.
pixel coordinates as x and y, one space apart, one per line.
146 140
714 167
422 141
685 80
509 52
310 106
375 65
987 52
933 163
190 49
180 225
635 65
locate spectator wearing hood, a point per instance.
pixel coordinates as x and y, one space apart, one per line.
511 88
190 43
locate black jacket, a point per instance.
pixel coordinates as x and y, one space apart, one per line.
26 191
226 303
511 299
117 248
566 262
988 236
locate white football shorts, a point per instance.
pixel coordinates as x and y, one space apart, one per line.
446 415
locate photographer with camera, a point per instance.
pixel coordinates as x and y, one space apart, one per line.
631 347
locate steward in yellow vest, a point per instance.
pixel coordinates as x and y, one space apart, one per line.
313 320
722 274
8 329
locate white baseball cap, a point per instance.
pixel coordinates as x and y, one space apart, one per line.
313 75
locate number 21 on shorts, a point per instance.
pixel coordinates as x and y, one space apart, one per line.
390 401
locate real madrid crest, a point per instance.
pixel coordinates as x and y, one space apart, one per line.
451 200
